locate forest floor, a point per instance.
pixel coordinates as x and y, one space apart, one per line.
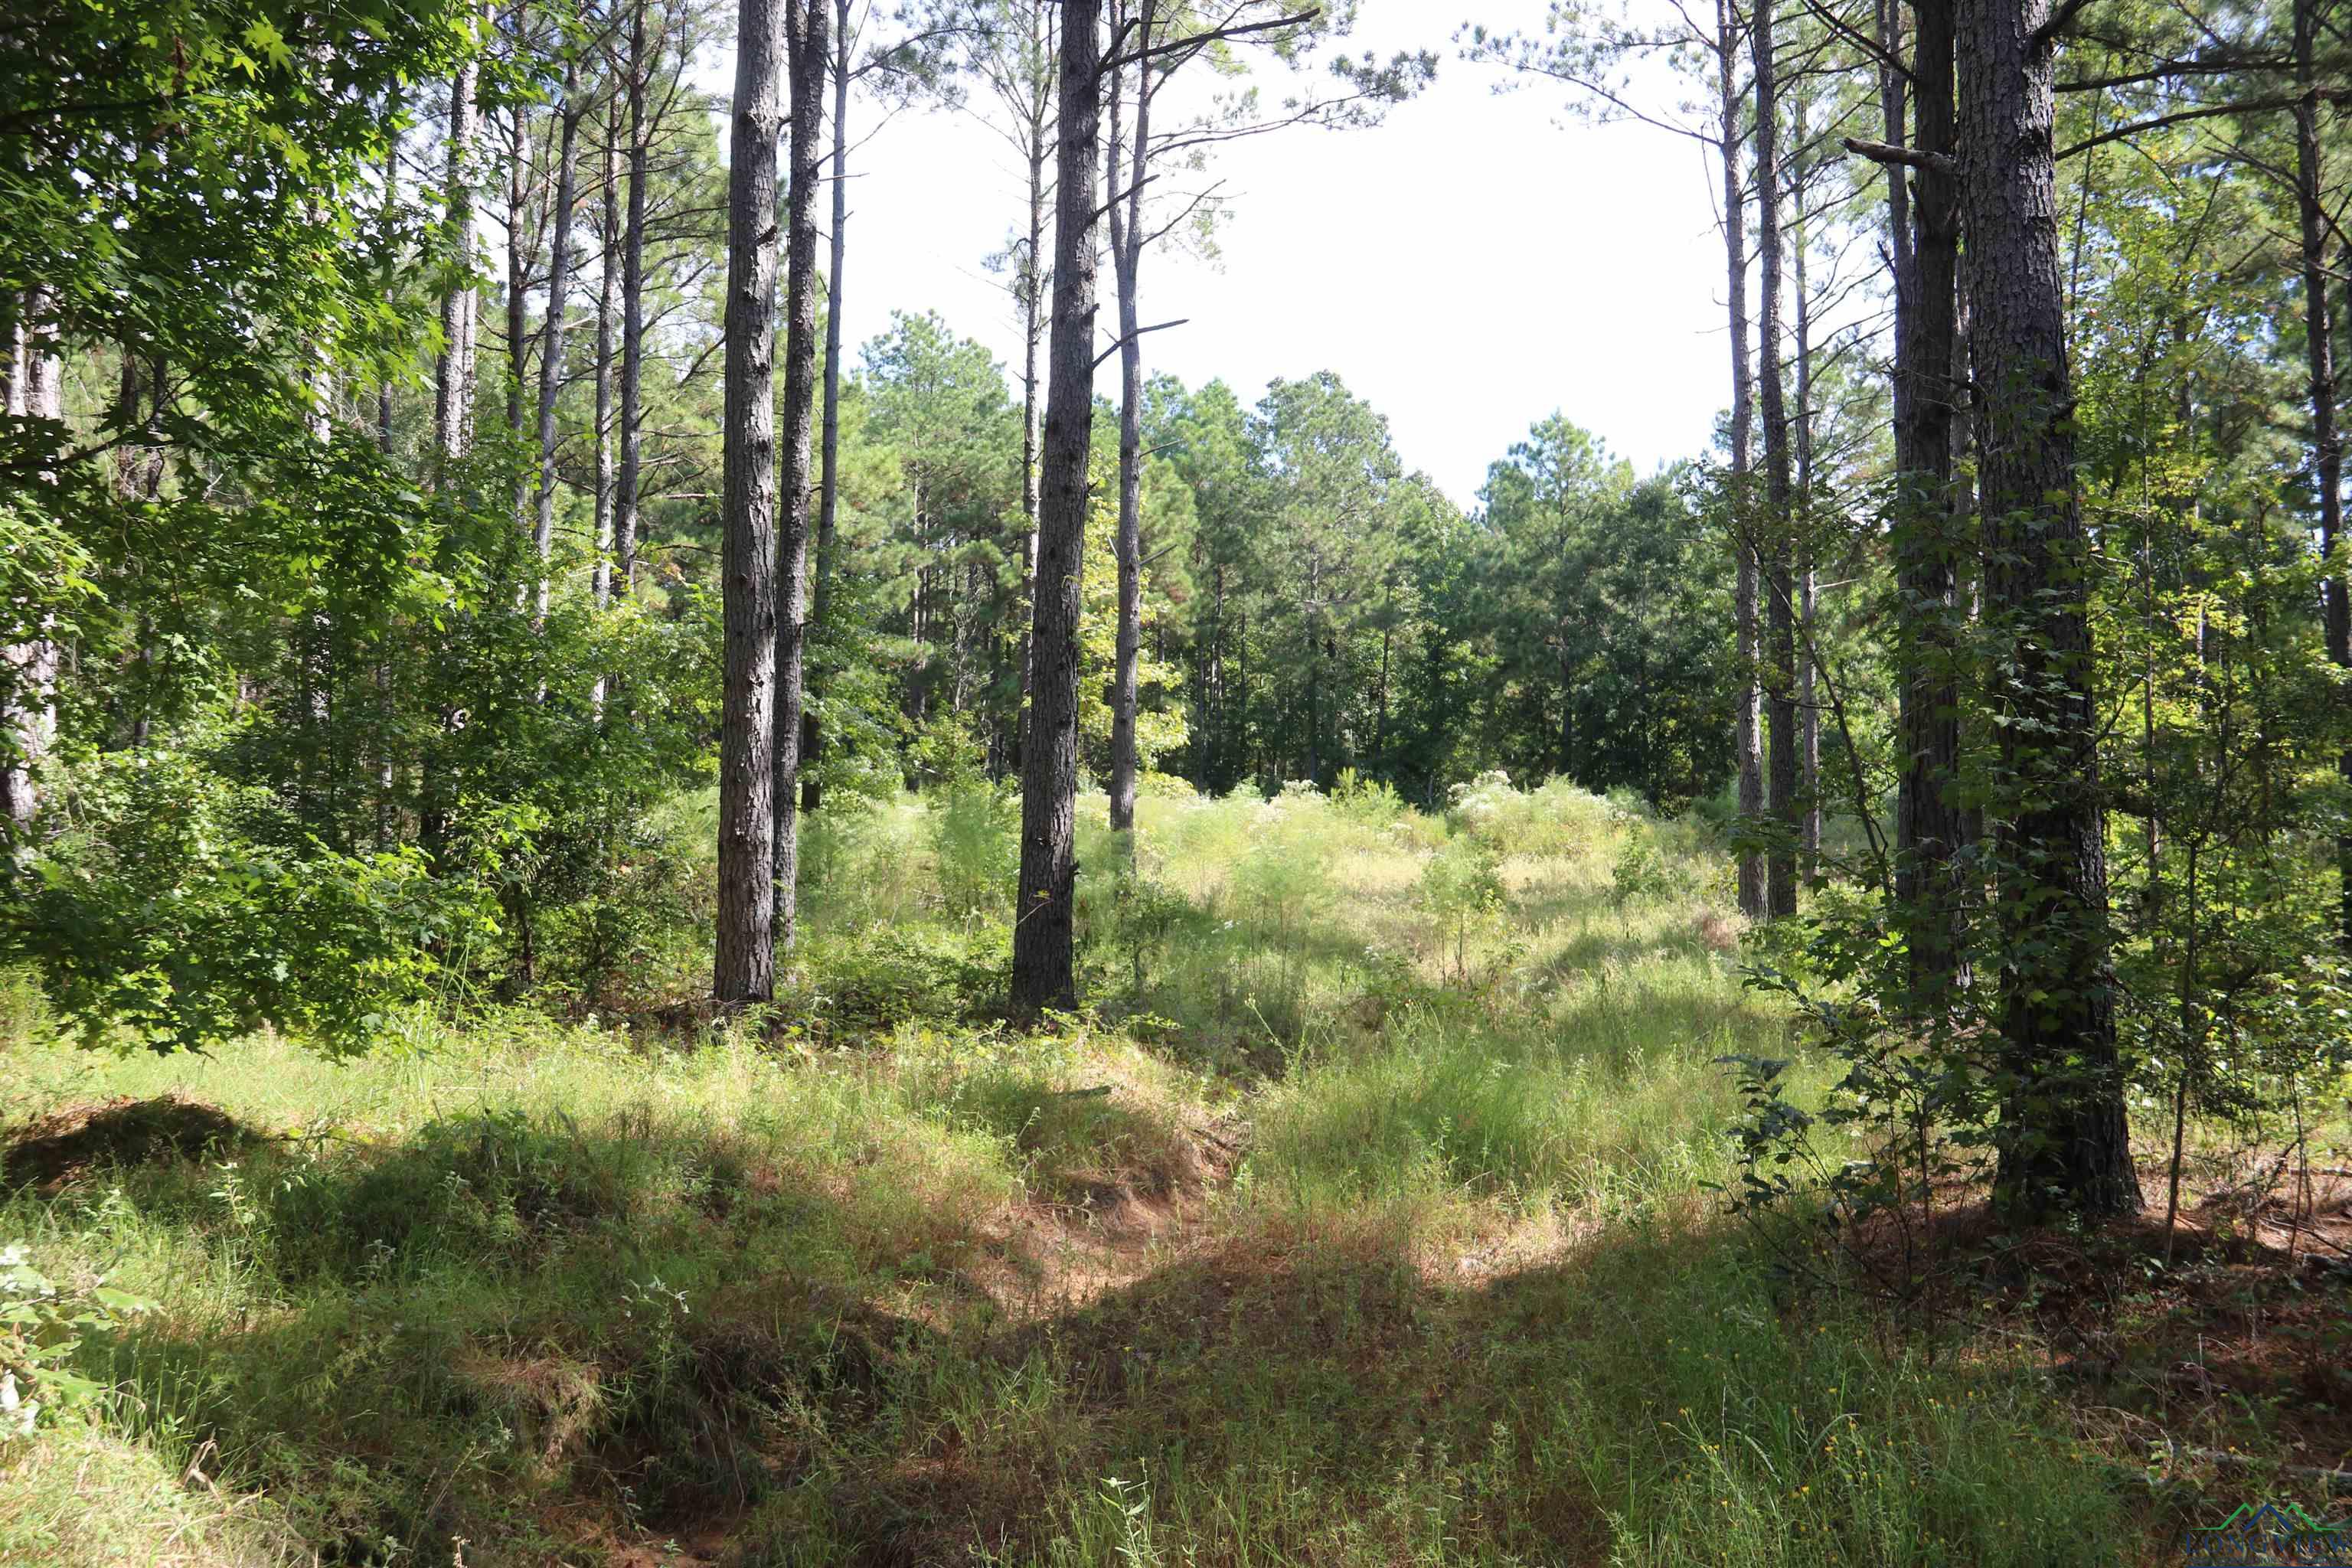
1377 1220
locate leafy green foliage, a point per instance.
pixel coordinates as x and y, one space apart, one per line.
166 912
41 1327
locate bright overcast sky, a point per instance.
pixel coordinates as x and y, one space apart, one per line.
1468 267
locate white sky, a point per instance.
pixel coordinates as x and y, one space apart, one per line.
1468 267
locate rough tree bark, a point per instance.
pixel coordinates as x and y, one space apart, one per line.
2064 1143
1925 531
744 967
808 53
1744 739
1774 537
1043 960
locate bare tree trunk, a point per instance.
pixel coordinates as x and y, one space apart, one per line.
559 297
608 244
1809 713
1745 740
633 313
829 462
744 970
810 56
829 472
1044 969
1775 537
2319 337
29 708
2064 1145
518 184
385 219
460 304
1127 255
1033 331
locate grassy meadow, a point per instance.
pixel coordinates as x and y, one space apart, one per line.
1371 1217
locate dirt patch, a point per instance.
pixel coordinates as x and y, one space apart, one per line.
69 1144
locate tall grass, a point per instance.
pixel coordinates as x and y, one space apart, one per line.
1367 1220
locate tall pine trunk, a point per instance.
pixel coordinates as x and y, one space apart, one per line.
1044 972
2064 1143
1127 255
1745 740
744 968
633 313
1774 537
1033 331
518 250
829 457
2319 335
608 244
1808 710
809 58
1926 530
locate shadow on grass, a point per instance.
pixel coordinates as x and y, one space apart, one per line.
78 1141
549 1340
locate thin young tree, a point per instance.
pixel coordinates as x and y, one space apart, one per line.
608 279
1773 535
1154 40
558 300
1015 59
1747 740
460 301
744 966
522 187
828 503
910 61
1043 961
1584 51
1126 242
634 74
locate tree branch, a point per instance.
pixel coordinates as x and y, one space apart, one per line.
2060 20
1122 342
2172 71
1240 29
1915 157
2210 111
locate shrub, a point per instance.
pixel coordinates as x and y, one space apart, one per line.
1462 890
159 913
